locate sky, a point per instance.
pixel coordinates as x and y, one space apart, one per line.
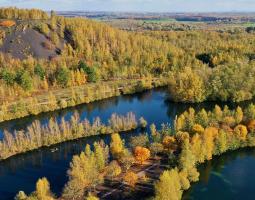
136 5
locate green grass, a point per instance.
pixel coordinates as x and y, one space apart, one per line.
162 20
249 24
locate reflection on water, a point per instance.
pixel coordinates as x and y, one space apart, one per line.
21 172
230 176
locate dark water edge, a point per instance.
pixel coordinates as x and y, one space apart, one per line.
22 171
230 176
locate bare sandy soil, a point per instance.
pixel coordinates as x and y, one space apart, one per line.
27 42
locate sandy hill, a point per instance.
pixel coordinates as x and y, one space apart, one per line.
24 42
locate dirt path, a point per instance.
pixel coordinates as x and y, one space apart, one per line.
113 190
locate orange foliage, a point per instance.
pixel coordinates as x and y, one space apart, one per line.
251 125
7 23
141 154
131 178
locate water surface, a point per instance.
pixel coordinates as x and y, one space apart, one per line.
22 171
230 177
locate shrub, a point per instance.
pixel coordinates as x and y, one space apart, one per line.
141 140
142 154
7 23
143 123
63 76
131 178
169 142
251 125
113 169
156 148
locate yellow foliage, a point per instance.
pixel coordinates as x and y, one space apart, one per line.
131 178
197 128
116 145
209 135
230 121
241 131
169 142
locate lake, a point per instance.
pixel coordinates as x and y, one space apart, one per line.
22 171
229 176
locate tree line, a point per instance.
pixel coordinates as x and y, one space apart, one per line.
200 136
195 138
38 135
21 14
217 62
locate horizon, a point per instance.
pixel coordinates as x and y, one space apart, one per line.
161 6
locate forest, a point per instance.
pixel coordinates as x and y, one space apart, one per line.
195 138
75 60
90 51
200 65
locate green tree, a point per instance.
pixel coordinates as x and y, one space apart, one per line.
8 77
40 71
63 76
24 79
90 71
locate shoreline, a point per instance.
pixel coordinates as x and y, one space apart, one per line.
74 96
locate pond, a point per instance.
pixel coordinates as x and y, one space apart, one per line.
22 171
229 176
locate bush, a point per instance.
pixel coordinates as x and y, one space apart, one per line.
131 178
8 77
141 140
39 71
91 72
23 78
43 28
142 154
7 23
143 123
156 148
63 76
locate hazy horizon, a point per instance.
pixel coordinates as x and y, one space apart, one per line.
172 6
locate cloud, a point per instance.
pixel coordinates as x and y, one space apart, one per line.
136 5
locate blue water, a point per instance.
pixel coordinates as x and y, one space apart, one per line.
228 177
22 171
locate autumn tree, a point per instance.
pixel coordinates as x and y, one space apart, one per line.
113 169
117 145
43 190
130 178
141 154
169 186
187 86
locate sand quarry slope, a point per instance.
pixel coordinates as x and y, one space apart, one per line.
28 42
